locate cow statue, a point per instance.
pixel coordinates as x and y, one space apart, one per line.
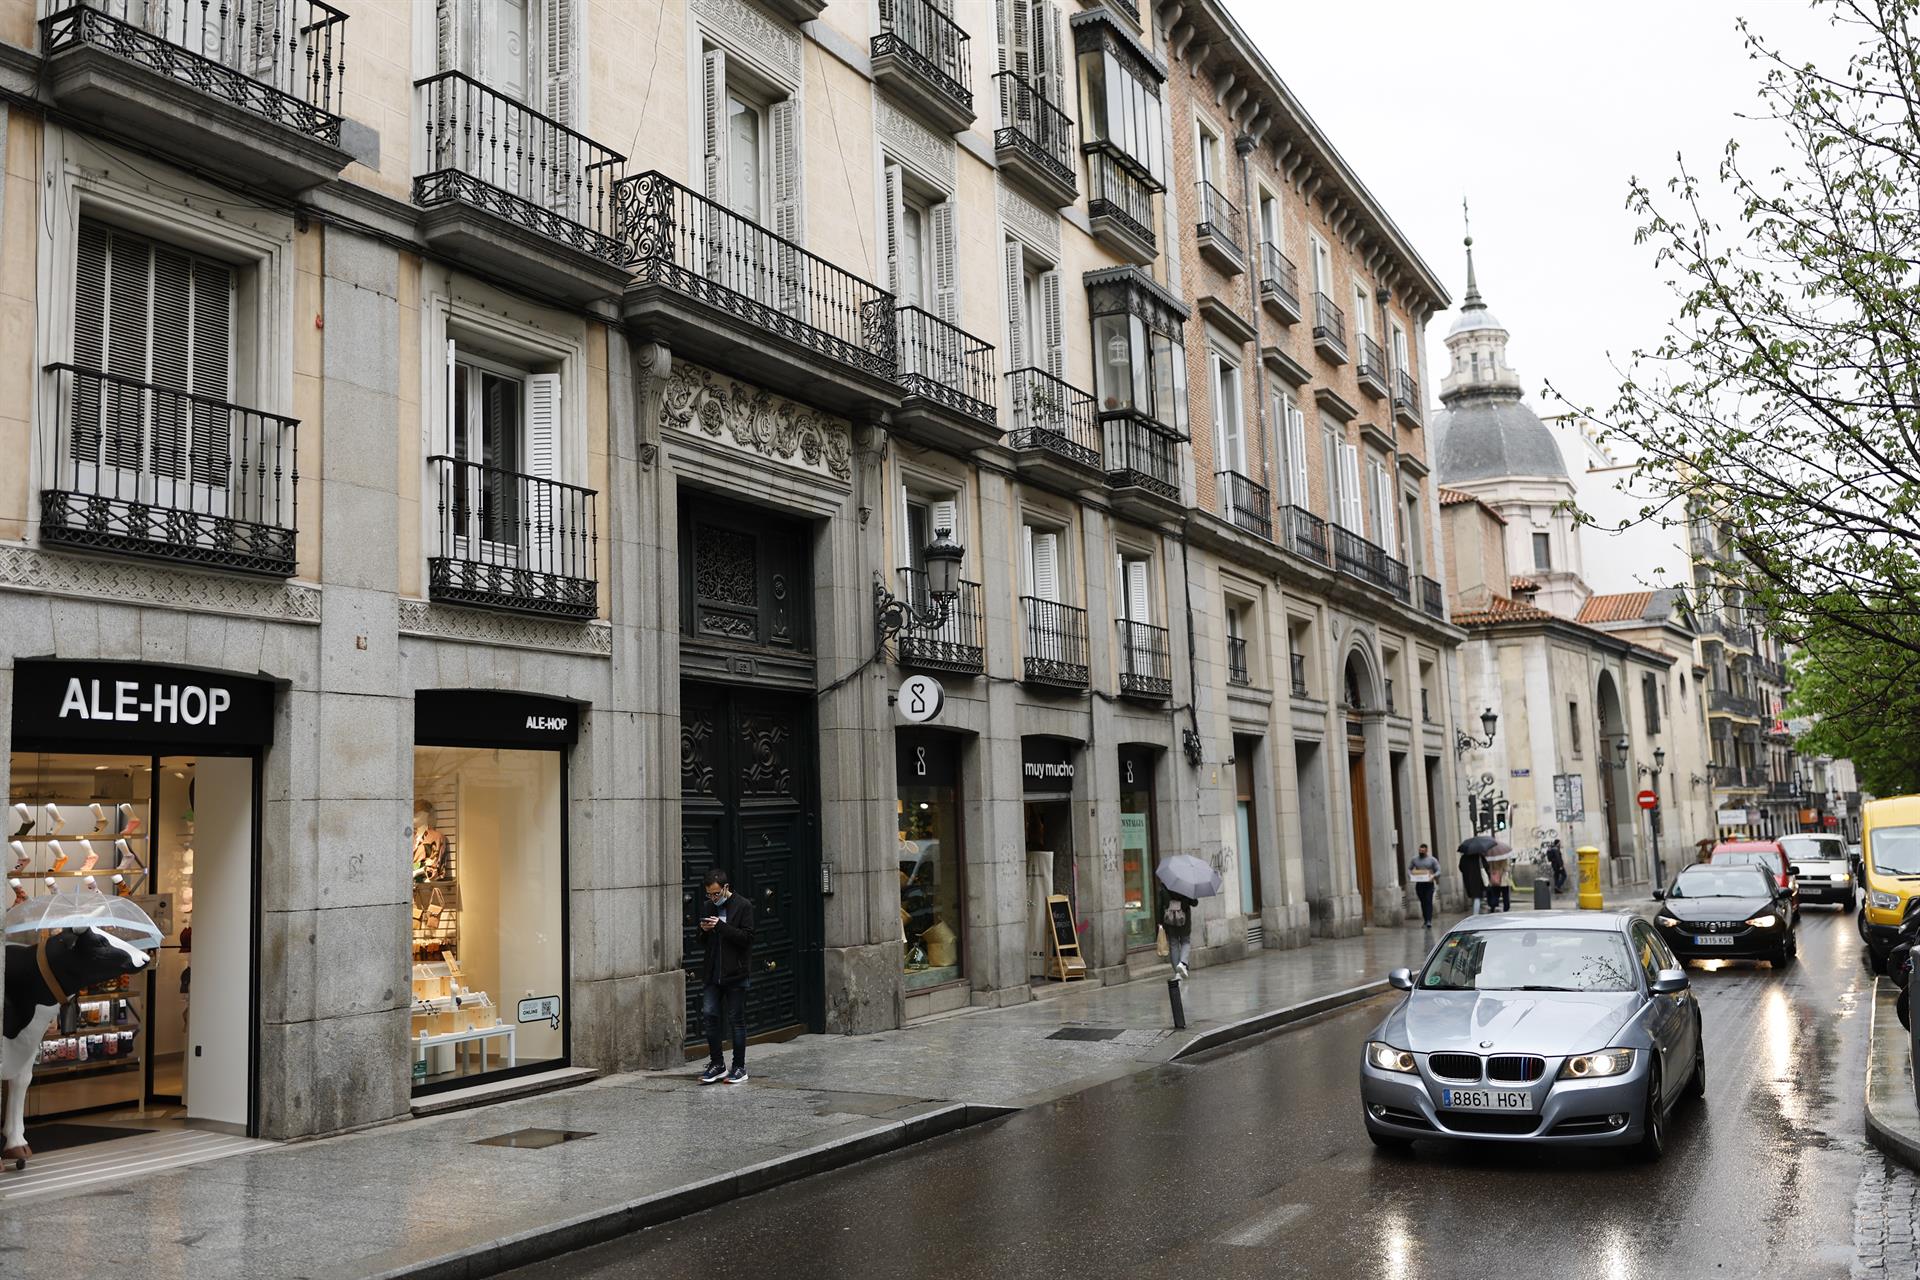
39 980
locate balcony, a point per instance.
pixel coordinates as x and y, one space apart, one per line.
723 290
952 392
925 59
1406 399
515 194
1143 468
1056 643
1727 702
250 90
1247 505
1219 230
1329 329
1306 535
1146 661
512 541
1297 674
1358 558
1432 599
1034 143
959 644
1120 204
1237 661
1279 284
1372 368
1054 438
1777 790
138 469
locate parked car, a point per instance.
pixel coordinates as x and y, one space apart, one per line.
1763 853
1889 871
1734 911
1821 867
1562 1027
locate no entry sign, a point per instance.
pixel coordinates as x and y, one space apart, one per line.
1648 800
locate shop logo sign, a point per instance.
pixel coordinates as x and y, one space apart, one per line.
135 701
548 724
1047 770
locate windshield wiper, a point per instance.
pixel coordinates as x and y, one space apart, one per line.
1536 987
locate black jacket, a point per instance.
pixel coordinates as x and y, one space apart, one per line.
729 943
1473 873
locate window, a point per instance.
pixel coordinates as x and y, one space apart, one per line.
1352 516
503 425
1136 588
1542 553
922 255
1362 308
1410 548
1207 155
1400 348
495 42
1031 46
1120 107
1650 697
1297 453
1035 338
926 515
750 145
1044 569
1229 438
1322 266
1270 220
1237 669
1379 495
1573 725
1139 357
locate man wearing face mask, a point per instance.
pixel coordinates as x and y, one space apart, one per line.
727 930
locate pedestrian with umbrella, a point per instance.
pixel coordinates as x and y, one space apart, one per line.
1187 879
1473 869
1499 891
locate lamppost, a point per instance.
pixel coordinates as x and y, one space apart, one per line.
1465 742
892 614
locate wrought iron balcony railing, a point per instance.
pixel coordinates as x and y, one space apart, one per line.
1142 455
917 33
487 150
946 364
508 540
1307 535
1056 642
959 644
1118 191
1372 365
1432 598
1736 704
1146 659
152 471
1358 558
1237 661
1406 397
1247 504
1053 417
1219 218
1396 579
1278 278
281 60
1329 322
1297 674
1035 127
677 238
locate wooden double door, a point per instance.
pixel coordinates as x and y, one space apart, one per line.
748 805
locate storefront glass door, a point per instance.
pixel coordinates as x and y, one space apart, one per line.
1136 848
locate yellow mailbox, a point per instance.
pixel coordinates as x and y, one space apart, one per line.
1590 899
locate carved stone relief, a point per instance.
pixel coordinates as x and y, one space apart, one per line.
703 403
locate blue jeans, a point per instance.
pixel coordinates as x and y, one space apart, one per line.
734 996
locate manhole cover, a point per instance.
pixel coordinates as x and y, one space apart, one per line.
1087 1033
532 1139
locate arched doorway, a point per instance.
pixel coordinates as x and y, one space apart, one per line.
1357 700
1613 726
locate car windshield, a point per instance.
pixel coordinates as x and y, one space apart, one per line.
1747 857
1530 960
1719 882
1894 851
1818 848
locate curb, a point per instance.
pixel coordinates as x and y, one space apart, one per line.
1903 1144
1272 1019
552 1239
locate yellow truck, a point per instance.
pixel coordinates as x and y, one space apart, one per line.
1889 869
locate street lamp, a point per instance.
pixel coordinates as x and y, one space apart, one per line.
942 557
1659 761
1465 742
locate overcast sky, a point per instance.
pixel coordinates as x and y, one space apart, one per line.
1539 114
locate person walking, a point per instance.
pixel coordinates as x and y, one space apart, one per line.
1558 858
1177 920
1424 870
1473 873
727 930
1499 892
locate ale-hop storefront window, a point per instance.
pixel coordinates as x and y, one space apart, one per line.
932 893
487 847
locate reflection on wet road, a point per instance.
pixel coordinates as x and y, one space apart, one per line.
1256 1164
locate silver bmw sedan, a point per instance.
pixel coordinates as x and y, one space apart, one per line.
1555 1027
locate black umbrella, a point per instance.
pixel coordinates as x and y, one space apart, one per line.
1482 845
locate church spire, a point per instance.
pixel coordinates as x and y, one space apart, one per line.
1473 301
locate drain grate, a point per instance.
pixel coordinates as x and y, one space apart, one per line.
1087 1033
532 1139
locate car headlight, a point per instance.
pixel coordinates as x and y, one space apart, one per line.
1766 921
1666 922
1595 1066
1884 901
1387 1058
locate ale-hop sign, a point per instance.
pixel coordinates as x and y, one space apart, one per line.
132 703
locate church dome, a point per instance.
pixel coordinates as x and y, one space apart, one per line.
1472 318
1482 438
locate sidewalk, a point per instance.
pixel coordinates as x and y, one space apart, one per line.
1893 1117
421 1198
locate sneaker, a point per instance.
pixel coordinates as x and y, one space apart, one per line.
737 1076
1180 971
714 1073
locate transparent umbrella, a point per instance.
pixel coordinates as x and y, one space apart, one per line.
82 908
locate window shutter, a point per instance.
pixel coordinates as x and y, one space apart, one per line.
1330 452
946 262
895 184
1046 565
785 116
542 459
714 124
1137 595
212 356
1350 489
1297 446
1021 53
451 18
946 515
89 339
1016 307
1052 327
562 36
1056 57
129 294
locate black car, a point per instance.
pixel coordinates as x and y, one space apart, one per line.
1727 913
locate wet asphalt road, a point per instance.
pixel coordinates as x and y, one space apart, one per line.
1255 1163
